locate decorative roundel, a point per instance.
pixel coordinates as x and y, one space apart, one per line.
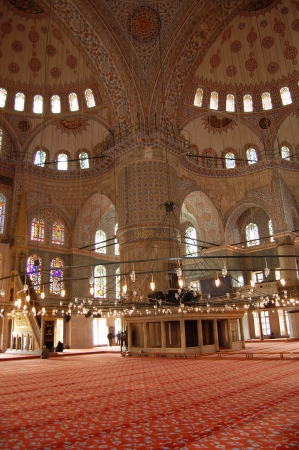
144 24
284 10
6 27
235 46
55 72
21 27
71 61
267 42
272 67
24 126
35 64
50 50
57 34
231 71
295 25
44 29
264 23
241 26
17 46
33 36
13 68
264 123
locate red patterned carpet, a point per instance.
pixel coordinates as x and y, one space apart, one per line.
105 401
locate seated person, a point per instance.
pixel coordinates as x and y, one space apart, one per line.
59 347
272 335
45 353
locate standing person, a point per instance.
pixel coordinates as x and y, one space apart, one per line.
118 336
110 337
45 353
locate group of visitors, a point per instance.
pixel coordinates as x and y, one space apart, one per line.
118 336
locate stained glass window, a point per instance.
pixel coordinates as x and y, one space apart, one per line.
285 153
62 161
73 100
3 95
116 244
230 162
191 242
89 98
34 272
252 235
251 155
84 161
214 100
100 241
19 101
285 95
56 276
230 102
57 233
271 230
37 230
55 104
38 104
247 102
117 283
198 97
266 100
1 138
40 158
2 212
99 282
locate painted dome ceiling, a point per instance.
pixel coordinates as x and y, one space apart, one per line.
135 52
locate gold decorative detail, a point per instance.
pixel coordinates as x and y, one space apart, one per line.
27 6
24 126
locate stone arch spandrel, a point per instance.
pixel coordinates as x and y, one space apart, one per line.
89 219
230 227
198 209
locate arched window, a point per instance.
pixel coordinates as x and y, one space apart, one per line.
19 101
191 241
100 242
230 161
117 283
2 212
198 97
99 282
271 230
40 158
55 104
214 100
37 230
62 161
38 104
230 102
266 100
116 244
84 161
285 153
247 102
56 276
3 95
285 95
34 272
58 233
89 98
73 101
252 235
1 138
251 155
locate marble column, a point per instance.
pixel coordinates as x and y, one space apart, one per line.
145 336
200 338
229 332
215 331
163 335
242 332
183 335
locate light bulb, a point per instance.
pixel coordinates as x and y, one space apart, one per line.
181 282
267 272
62 292
42 295
252 282
283 281
91 290
217 282
125 287
224 270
